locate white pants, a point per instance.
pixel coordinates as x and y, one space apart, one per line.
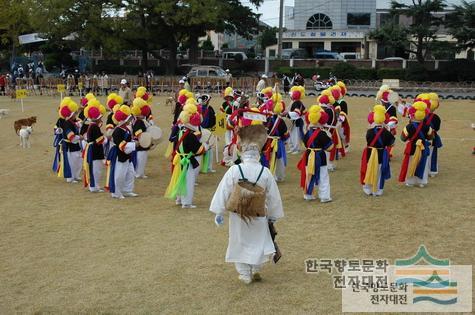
228 137
210 159
414 180
246 269
190 187
97 166
200 162
294 139
368 189
142 157
279 170
330 164
124 178
323 184
75 163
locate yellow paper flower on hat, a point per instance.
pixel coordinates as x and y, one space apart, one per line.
190 108
182 92
73 106
112 96
141 92
379 114
420 108
90 96
135 110
116 108
189 95
434 101
139 102
94 102
314 114
102 109
184 117
119 99
228 91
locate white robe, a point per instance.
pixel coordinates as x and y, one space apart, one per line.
249 243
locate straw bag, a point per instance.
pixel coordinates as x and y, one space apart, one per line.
247 199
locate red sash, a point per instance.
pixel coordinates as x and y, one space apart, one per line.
302 164
364 157
407 154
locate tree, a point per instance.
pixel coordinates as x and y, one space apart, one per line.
420 35
207 44
268 37
14 21
461 24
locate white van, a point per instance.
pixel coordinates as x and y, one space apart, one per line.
351 55
232 55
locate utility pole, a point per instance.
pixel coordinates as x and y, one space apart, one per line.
281 26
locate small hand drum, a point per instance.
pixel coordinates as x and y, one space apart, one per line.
393 97
294 115
109 132
145 140
156 134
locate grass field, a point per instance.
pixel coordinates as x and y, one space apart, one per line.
64 250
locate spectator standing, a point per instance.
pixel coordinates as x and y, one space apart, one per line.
262 84
125 92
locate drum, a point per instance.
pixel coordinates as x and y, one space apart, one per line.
156 134
145 140
109 132
294 115
393 97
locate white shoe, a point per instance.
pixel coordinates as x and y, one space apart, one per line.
97 190
326 200
188 206
118 196
422 185
245 279
142 176
368 192
178 202
409 185
74 181
295 152
309 197
211 171
130 194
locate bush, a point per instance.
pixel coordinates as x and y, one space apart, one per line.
391 74
345 70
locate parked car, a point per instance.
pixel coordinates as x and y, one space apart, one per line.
328 55
393 59
350 55
212 72
294 53
234 55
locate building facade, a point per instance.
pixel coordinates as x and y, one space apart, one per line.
339 26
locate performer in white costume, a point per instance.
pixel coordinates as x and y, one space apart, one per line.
250 243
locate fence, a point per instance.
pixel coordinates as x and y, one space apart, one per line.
168 85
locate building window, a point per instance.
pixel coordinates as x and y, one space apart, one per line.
319 21
359 19
286 45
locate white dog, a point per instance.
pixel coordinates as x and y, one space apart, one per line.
4 112
25 137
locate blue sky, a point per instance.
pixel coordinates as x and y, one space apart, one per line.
270 8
